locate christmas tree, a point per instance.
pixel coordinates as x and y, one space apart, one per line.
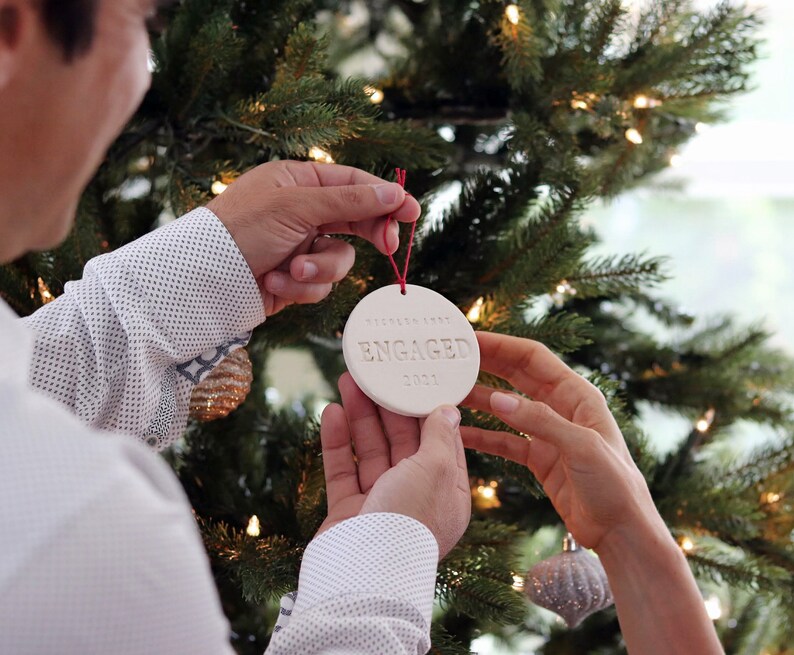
523 114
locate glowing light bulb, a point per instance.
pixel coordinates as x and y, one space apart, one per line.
513 14
633 135
705 421
579 104
253 526
219 187
771 497
713 607
644 102
518 582
701 127
476 310
44 292
676 161
484 495
320 155
375 95
687 545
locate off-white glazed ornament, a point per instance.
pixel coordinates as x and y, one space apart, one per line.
411 352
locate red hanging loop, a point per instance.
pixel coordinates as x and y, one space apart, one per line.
401 278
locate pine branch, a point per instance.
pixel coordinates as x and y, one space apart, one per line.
563 332
265 568
612 276
442 643
476 577
520 48
739 570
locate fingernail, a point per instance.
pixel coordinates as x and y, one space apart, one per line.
505 403
276 282
452 415
309 271
387 193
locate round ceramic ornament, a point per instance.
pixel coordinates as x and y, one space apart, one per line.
411 352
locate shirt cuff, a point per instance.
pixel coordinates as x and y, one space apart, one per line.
385 555
198 281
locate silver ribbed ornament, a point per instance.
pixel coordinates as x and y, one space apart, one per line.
572 584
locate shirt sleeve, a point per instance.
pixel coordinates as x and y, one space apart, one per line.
124 346
366 586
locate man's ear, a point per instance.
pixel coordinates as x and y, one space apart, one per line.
16 22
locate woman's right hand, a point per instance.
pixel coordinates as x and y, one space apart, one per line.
574 447
579 455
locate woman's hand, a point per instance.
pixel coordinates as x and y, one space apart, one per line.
575 448
277 213
400 465
578 453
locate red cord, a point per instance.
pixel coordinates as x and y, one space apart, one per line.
402 279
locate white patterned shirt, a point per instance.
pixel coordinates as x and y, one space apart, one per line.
99 552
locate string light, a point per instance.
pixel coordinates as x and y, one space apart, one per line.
375 95
513 14
485 496
644 102
518 582
476 310
218 187
676 160
705 421
253 526
320 155
713 607
687 545
583 101
44 292
701 127
562 290
633 135
771 497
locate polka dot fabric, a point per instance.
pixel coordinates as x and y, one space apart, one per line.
379 568
99 552
118 346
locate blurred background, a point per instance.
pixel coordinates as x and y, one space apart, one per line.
729 227
723 214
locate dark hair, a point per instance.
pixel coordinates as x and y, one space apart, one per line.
70 24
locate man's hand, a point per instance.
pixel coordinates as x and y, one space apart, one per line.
576 449
278 213
399 466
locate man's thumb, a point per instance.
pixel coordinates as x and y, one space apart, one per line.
438 432
355 202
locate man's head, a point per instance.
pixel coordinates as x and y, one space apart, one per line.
72 73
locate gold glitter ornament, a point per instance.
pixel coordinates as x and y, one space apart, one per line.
223 390
572 584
